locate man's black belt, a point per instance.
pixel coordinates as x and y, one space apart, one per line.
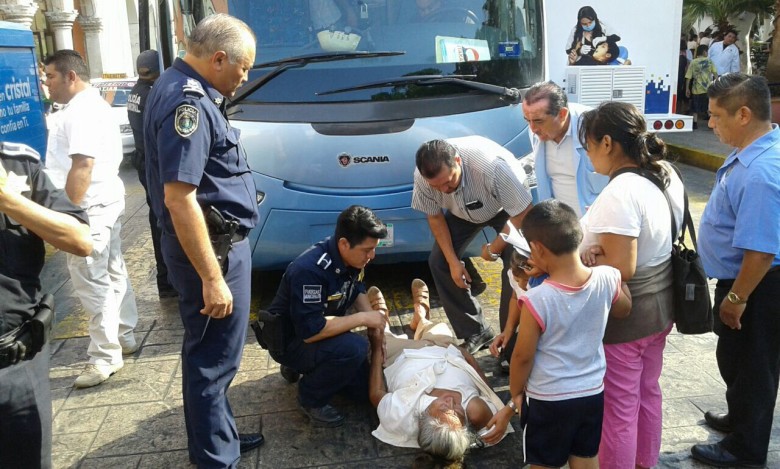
24 342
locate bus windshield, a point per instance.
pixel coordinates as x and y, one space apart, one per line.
497 42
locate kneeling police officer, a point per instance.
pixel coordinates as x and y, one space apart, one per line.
308 316
32 211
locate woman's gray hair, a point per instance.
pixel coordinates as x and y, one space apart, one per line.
221 32
441 440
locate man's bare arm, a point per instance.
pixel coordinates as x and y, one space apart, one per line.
58 229
79 177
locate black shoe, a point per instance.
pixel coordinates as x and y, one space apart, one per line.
477 342
250 441
166 291
718 456
289 375
325 416
719 422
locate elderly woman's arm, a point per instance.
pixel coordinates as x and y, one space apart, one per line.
376 379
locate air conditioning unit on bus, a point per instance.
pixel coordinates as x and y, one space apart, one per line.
592 85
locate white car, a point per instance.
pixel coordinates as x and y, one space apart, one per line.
115 92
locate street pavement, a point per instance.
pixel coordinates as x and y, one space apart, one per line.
135 419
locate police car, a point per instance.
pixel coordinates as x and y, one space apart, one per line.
115 92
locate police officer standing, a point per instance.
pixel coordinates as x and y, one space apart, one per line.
317 289
195 163
148 66
32 210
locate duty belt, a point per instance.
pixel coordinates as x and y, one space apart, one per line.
24 342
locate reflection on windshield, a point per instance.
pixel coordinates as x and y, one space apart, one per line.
497 41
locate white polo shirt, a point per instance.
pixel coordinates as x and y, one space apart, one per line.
86 127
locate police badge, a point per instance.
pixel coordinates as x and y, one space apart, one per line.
186 120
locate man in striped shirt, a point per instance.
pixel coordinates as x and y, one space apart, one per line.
463 185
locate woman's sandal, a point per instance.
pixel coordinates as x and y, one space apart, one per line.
377 300
420 295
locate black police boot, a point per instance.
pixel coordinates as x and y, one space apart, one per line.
289 375
250 441
325 416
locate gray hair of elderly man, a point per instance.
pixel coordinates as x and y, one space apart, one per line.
221 32
441 440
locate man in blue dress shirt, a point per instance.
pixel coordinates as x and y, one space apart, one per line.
739 244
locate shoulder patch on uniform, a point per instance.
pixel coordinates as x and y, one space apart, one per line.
193 88
186 120
312 293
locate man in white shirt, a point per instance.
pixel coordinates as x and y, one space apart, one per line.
725 54
563 170
83 157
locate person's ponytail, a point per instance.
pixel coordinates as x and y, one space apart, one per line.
651 150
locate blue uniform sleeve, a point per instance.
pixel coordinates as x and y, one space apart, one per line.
184 142
308 301
758 199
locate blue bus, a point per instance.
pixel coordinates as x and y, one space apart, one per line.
344 92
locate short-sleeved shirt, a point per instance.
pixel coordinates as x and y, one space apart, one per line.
490 175
21 251
188 139
569 360
316 284
633 206
701 73
85 126
743 212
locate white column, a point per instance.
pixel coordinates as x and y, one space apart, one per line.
21 12
92 27
61 22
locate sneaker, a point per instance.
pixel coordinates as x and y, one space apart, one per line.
95 374
477 342
129 347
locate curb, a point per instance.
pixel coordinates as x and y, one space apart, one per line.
700 159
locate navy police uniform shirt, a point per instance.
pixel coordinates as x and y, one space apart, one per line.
316 284
21 251
189 139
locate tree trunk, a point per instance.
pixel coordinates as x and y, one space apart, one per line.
743 23
773 62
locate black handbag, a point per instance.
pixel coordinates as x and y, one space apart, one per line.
692 306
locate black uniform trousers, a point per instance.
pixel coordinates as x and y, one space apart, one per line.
162 270
338 364
749 362
25 414
211 354
461 307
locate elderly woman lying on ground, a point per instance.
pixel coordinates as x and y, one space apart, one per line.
436 396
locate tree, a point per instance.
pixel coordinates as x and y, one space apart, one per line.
773 63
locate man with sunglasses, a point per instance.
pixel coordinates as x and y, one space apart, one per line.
464 185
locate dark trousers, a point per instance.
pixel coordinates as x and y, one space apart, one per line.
462 309
162 270
749 362
25 414
337 364
211 354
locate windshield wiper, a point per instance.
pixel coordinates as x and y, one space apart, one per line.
508 94
283 65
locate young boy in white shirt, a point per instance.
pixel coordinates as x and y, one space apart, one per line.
557 367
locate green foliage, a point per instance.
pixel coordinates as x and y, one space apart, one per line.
721 10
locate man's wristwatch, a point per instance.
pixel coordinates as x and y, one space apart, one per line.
492 254
735 299
511 405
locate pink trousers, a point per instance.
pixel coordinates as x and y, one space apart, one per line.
631 431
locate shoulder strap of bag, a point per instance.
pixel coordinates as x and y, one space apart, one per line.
687 219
